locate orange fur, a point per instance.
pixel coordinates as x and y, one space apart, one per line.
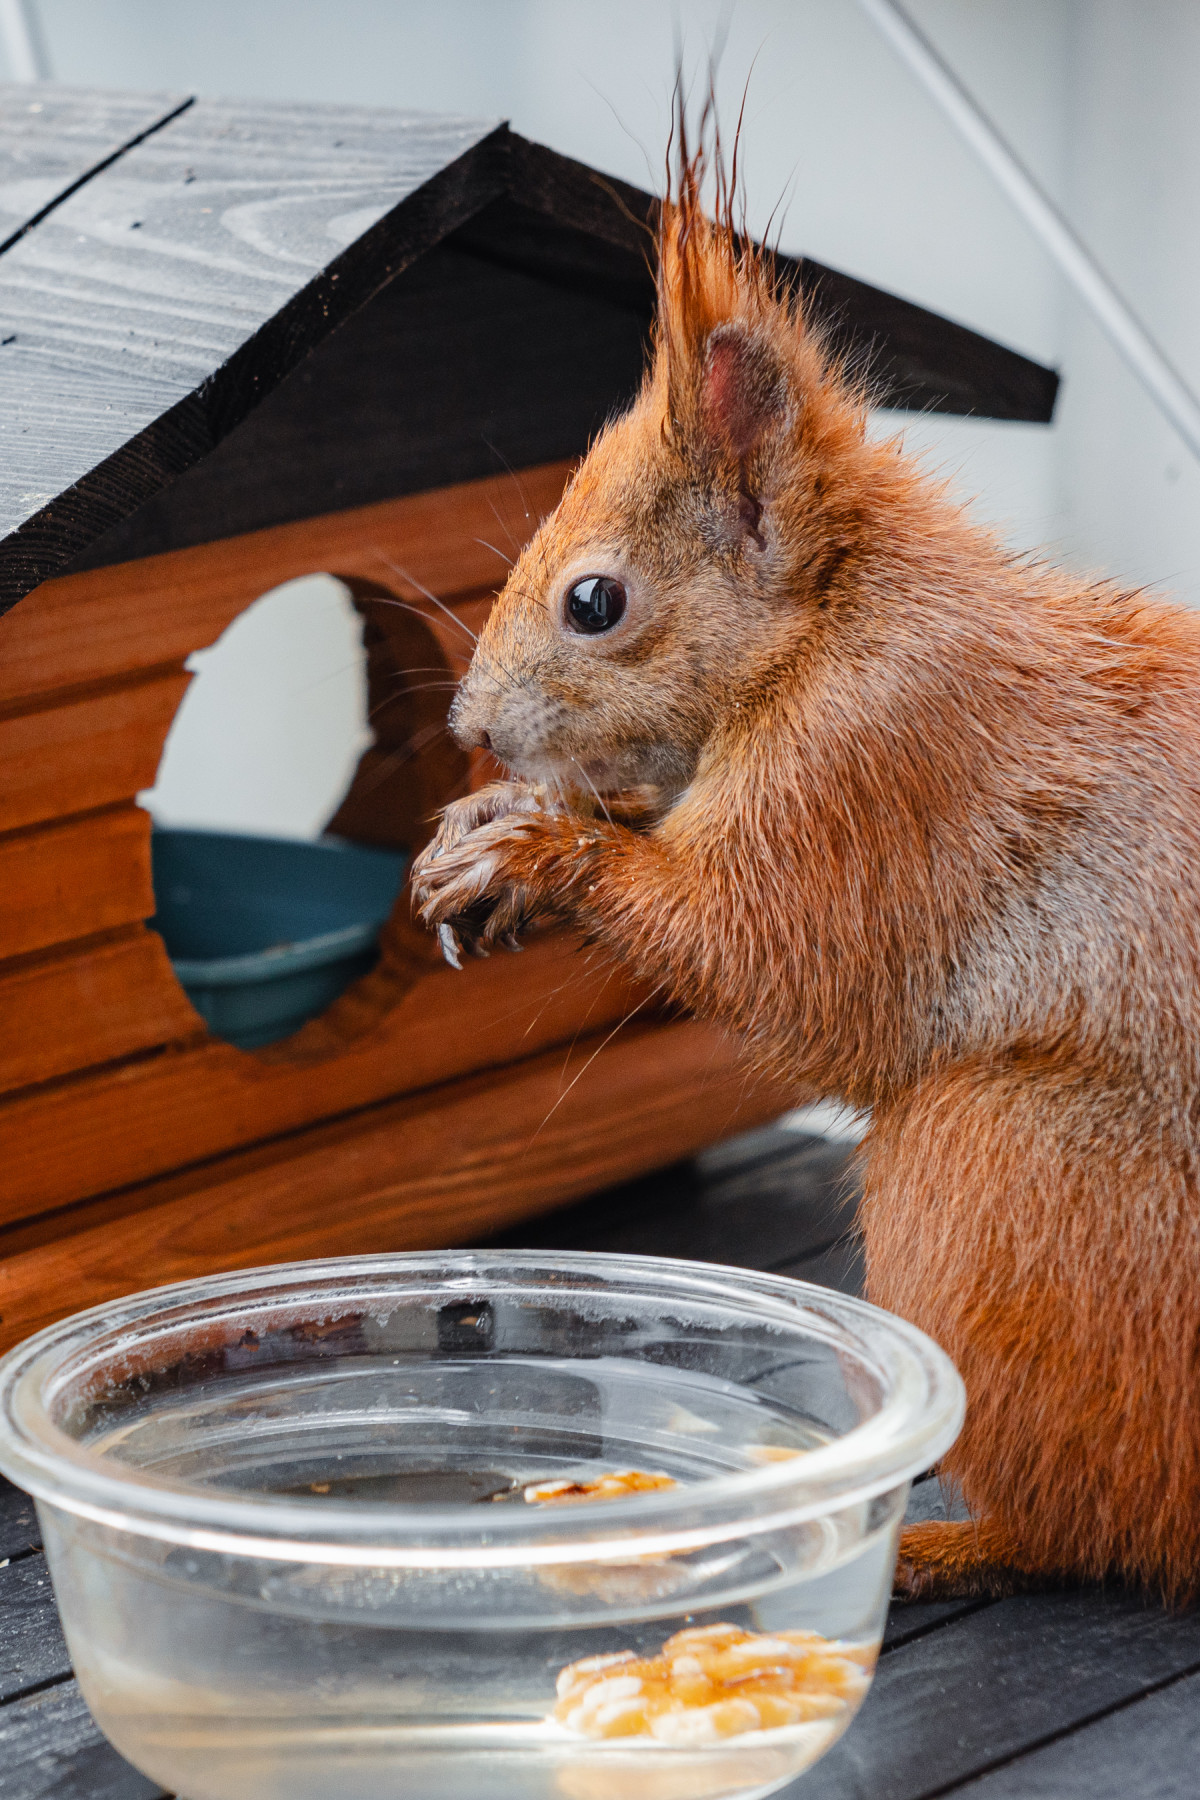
961 1561
920 820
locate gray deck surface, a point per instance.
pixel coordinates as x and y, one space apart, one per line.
1090 1694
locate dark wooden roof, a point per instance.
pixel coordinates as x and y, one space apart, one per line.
169 267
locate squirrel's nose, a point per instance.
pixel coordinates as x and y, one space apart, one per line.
466 724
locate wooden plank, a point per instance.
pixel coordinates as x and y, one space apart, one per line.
934 1500
1150 1750
986 1686
384 1037
53 139
108 623
88 875
51 1749
439 1167
150 311
86 752
18 1524
32 1650
94 1003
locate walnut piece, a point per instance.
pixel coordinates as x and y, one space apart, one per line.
712 1682
613 1486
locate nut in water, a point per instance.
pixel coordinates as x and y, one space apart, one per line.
613 1486
712 1682
647 1577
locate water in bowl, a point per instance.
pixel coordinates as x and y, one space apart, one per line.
257 1678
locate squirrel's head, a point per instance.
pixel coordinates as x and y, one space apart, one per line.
697 545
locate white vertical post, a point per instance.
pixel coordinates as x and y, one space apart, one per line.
22 42
1126 331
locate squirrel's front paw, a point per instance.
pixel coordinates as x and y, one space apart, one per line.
498 800
491 869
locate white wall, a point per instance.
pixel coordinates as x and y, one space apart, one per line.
270 732
1130 490
1097 95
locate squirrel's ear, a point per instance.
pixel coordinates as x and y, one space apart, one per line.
743 390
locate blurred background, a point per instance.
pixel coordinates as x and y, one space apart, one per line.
1098 97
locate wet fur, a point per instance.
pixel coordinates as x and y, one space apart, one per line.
921 821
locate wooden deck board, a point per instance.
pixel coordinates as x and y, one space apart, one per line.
762 1200
972 1694
1045 1697
51 1750
18 1525
1149 1750
32 1649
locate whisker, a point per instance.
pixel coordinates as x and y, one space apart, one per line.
405 575
326 675
538 1015
513 1012
391 700
581 1026
417 611
594 788
589 962
393 759
511 674
621 1023
516 479
423 687
502 522
493 549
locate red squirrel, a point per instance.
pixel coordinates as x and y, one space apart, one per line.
917 818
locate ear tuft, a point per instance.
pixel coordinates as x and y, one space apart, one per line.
742 388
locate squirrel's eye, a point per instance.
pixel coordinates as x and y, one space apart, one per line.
595 603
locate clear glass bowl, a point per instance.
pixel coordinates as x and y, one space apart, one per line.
286 1518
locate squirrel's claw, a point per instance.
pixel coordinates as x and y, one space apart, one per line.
458 939
490 871
451 945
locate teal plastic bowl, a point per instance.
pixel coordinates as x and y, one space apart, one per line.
264 933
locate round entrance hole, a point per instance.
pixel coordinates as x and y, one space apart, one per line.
279 846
